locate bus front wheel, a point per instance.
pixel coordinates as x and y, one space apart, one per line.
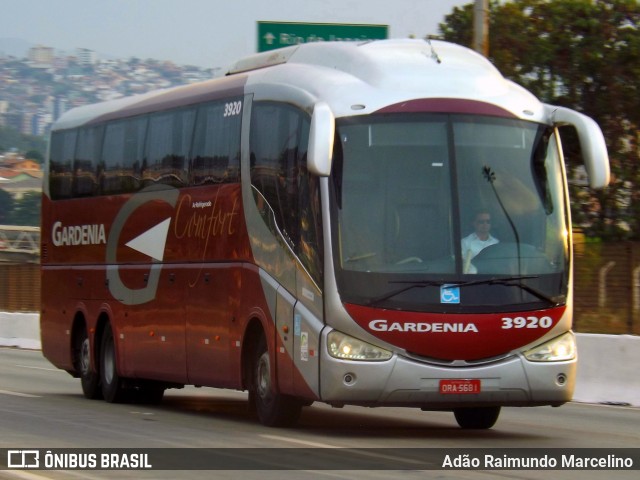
273 408
477 418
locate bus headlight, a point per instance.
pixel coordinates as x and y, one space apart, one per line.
559 349
345 347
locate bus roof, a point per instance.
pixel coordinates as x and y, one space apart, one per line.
364 77
354 78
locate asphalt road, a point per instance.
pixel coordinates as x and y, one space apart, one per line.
42 407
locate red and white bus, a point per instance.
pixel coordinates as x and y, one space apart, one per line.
295 229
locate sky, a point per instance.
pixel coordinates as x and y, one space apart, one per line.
204 33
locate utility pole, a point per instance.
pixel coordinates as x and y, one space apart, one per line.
481 27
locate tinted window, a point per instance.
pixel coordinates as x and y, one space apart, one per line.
87 158
168 143
274 154
61 164
286 194
426 200
122 156
216 145
197 145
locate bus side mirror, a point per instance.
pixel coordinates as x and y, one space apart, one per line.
321 140
592 144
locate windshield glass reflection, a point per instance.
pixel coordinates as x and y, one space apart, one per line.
439 199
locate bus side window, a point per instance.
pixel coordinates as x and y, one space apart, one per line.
122 156
215 156
86 160
310 247
63 145
275 162
167 149
279 142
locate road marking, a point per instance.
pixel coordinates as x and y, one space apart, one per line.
578 403
377 454
39 368
18 394
299 442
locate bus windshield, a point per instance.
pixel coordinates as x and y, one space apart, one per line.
449 212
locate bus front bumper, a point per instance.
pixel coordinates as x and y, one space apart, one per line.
401 381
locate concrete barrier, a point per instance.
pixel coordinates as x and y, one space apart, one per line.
607 367
21 330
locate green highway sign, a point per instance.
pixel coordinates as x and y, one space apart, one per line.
272 35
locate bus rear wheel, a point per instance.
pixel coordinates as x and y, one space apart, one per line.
274 409
89 379
112 385
477 418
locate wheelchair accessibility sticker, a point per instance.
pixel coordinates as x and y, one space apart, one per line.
450 294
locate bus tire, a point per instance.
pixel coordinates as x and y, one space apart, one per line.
89 379
477 418
273 409
112 385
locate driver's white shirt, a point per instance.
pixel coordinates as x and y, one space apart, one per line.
472 245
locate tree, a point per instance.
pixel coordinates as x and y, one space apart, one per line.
583 54
6 207
11 138
26 211
35 155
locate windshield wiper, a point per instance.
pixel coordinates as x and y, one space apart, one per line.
517 282
508 281
410 285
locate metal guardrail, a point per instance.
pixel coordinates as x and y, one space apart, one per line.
19 244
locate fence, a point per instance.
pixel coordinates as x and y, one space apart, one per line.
606 287
20 287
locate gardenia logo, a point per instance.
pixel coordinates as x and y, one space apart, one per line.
77 234
385 326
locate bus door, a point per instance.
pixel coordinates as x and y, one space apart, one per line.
285 304
307 328
298 339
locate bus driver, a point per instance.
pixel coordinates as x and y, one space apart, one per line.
477 241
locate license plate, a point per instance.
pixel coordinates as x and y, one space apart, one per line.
460 387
